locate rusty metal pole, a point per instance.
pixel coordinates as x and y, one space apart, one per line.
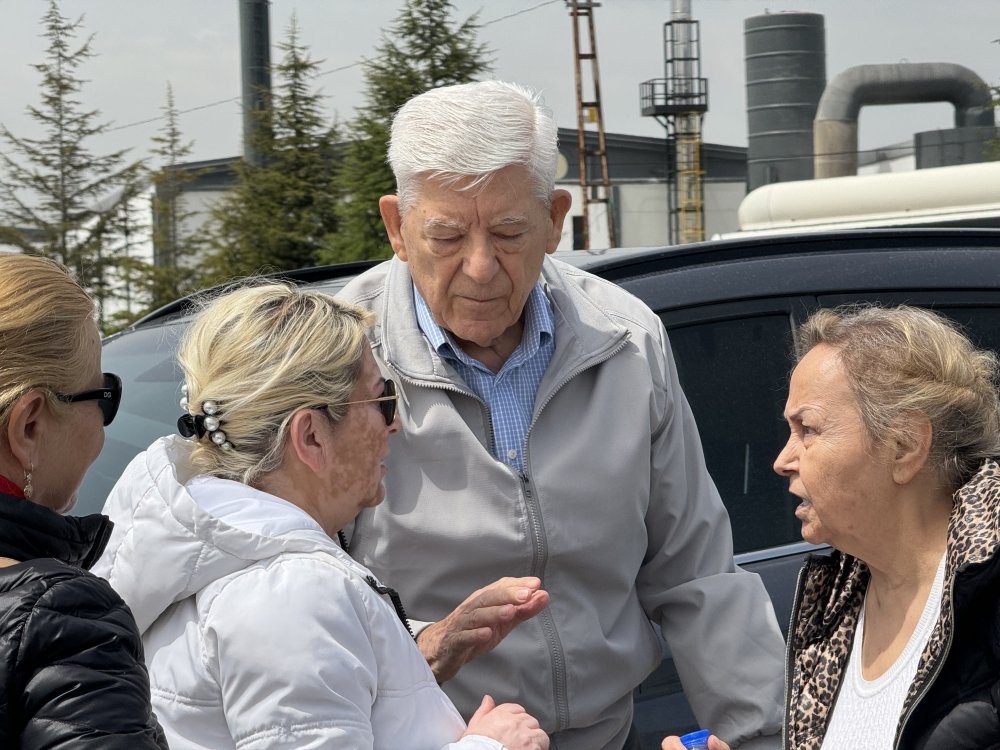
593 189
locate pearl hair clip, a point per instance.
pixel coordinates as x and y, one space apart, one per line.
198 425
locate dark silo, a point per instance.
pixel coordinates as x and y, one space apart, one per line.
786 75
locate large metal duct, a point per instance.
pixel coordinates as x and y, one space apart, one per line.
835 131
786 75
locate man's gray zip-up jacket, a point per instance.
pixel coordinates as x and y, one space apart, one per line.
615 512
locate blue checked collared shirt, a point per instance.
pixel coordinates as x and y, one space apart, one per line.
510 393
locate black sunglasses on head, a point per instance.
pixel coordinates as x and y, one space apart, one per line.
108 397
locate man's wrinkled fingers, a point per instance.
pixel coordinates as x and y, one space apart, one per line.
489 617
535 604
491 596
510 583
469 637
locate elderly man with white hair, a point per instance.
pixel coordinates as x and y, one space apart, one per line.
544 437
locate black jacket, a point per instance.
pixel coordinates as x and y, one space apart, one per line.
73 674
953 701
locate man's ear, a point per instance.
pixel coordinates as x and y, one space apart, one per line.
388 206
912 451
26 426
561 201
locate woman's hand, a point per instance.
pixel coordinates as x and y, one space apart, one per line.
674 743
508 723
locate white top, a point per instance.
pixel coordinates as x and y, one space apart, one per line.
259 631
867 712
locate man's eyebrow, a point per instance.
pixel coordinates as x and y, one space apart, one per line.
515 220
436 223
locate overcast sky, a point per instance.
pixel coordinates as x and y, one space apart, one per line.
194 44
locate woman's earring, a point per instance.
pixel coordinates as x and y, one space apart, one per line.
28 490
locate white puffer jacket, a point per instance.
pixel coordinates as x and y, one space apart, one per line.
259 631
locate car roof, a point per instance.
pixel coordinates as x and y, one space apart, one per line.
739 268
816 264
314 274
629 262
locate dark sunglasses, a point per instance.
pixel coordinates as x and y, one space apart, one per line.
386 402
108 397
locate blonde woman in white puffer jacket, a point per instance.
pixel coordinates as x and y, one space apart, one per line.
259 629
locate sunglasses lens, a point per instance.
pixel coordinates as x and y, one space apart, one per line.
109 406
388 407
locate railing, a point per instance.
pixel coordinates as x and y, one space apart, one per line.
673 96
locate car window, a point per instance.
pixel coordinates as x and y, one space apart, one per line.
734 374
977 312
981 324
145 360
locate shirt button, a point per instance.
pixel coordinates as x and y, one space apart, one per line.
512 454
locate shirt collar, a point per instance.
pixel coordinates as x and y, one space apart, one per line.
7 487
538 324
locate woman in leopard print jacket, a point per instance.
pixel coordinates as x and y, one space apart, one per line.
895 636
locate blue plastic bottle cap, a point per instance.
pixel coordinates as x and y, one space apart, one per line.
696 740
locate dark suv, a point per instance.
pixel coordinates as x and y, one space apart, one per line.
730 308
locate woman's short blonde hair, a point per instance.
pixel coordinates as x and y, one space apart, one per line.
46 324
905 360
262 353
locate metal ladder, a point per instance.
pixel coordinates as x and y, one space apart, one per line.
593 158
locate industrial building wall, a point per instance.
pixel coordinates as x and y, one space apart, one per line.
642 213
641 210
197 207
722 201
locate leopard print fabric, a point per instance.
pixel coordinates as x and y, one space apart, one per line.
830 599
829 603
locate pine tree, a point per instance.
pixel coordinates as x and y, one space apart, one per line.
173 271
58 198
125 234
993 146
280 214
176 246
424 49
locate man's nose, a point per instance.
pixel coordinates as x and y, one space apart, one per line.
481 263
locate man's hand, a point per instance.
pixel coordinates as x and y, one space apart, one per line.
479 623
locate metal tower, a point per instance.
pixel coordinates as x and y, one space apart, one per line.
594 187
678 101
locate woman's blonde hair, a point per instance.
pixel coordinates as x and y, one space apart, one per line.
46 324
262 353
905 360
